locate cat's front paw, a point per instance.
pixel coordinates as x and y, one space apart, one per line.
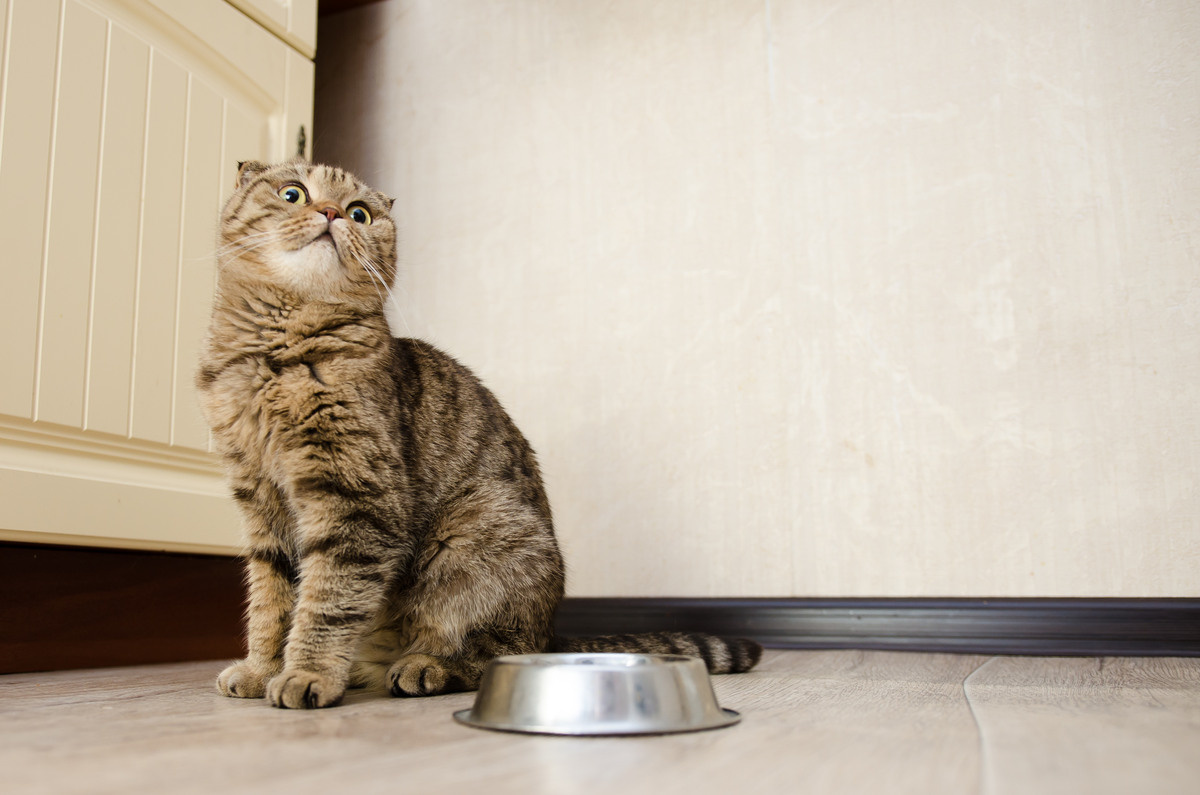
242 680
297 688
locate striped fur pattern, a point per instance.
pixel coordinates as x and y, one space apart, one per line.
397 529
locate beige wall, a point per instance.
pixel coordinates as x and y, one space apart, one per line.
811 298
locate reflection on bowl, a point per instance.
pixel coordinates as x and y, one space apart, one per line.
596 694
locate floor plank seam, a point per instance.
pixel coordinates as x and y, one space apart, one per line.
984 762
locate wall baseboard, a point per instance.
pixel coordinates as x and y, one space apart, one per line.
82 607
1099 626
77 607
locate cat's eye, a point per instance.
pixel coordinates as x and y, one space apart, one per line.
359 214
293 193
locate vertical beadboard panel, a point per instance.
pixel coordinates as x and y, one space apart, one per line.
114 279
3 43
67 274
32 40
154 335
197 267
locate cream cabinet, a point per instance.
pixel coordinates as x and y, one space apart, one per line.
121 122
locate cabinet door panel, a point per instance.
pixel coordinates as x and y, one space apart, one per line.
120 127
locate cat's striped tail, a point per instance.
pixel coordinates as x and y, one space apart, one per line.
721 655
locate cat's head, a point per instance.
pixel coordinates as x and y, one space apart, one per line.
314 231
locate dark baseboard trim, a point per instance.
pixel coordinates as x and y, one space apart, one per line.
1088 627
80 607
75 607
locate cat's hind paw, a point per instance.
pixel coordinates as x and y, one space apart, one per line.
420 675
241 680
296 688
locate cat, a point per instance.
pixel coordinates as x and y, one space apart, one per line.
397 528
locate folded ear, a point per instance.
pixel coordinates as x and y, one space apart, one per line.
247 170
390 202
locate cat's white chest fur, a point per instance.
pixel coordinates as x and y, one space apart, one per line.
315 269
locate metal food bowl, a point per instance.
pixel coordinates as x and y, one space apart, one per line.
596 694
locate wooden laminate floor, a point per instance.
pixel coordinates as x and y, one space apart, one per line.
825 721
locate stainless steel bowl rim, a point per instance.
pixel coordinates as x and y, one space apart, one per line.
600 658
596 730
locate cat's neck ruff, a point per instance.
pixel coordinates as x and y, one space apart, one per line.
273 322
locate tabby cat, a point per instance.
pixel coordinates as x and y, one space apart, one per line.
397 529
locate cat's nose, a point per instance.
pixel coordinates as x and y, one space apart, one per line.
330 212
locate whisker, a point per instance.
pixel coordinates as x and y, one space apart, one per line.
244 249
377 279
252 236
399 305
369 267
246 243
